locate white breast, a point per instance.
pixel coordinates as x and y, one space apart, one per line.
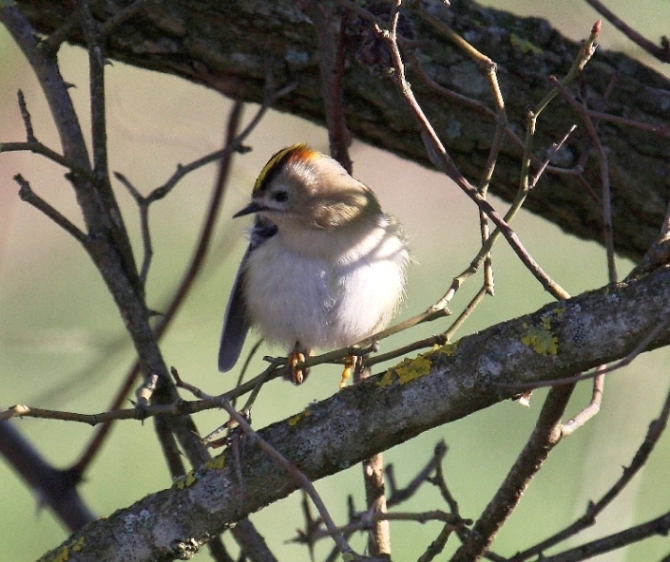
326 299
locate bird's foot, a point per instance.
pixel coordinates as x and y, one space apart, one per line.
295 372
351 364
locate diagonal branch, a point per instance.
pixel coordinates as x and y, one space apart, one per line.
441 386
661 52
545 437
230 56
656 429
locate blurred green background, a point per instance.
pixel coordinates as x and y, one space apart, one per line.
62 344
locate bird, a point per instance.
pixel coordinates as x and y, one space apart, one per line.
325 267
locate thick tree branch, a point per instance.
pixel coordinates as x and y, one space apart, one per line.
436 388
177 36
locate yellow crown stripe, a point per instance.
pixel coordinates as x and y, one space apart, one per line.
272 164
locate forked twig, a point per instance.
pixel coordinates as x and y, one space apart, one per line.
544 438
295 473
654 433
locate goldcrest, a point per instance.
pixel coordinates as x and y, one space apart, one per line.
325 267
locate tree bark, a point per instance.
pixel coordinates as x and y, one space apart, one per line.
443 385
229 46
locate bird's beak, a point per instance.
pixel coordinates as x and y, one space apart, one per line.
253 207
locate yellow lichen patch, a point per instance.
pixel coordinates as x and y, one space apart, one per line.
408 370
63 554
413 369
217 462
525 46
386 380
540 339
186 481
560 311
296 419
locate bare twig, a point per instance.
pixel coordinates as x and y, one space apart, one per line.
364 522
235 146
437 546
488 243
331 66
302 480
253 545
443 161
658 254
662 52
658 526
545 437
39 148
29 196
608 231
25 115
656 429
592 409
185 286
397 495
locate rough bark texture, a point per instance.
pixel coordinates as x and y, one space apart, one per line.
441 386
230 45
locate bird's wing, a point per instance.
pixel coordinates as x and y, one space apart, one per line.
236 322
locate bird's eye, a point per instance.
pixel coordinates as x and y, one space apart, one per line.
280 196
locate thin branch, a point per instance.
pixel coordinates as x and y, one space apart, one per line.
662 52
302 480
659 253
437 546
555 147
147 246
592 409
488 243
608 231
96 67
545 437
658 526
400 495
330 38
633 123
236 146
443 161
37 147
186 284
364 523
654 433
46 69
55 488
29 196
33 145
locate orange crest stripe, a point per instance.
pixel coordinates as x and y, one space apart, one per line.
279 160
